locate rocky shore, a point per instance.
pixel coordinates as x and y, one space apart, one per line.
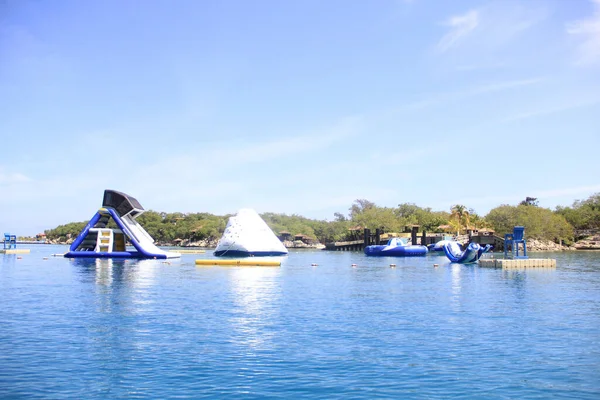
534 245
588 243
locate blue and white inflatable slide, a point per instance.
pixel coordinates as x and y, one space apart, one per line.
97 240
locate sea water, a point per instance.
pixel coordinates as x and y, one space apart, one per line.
153 329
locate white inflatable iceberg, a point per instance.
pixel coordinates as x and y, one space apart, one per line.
247 235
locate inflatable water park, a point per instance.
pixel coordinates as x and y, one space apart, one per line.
99 240
248 235
471 254
395 247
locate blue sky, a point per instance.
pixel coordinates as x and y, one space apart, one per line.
295 107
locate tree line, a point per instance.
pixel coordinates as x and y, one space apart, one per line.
562 224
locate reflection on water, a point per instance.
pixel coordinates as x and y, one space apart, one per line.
461 275
104 272
112 271
256 292
121 285
8 259
144 273
456 278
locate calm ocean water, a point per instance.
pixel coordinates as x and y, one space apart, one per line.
102 329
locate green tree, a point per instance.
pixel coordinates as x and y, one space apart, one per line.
539 223
459 217
62 232
584 214
529 201
428 220
360 206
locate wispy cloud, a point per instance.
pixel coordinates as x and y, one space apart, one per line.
236 153
281 148
589 30
443 98
480 33
481 66
460 26
231 168
7 178
550 110
505 85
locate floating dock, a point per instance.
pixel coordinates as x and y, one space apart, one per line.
240 263
506 263
191 251
14 251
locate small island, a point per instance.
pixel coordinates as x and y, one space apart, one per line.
575 227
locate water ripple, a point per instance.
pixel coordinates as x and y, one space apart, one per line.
147 329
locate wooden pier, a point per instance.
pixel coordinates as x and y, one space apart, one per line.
360 238
359 241
506 263
352 245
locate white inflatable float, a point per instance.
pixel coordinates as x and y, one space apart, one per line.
248 235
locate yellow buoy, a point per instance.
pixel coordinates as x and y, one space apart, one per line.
235 263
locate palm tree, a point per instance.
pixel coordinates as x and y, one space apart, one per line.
460 216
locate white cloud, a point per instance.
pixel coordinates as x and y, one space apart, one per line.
7 178
550 110
442 98
486 37
241 153
589 30
460 26
222 174
498 86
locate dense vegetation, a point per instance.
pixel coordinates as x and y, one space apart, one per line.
584 214
540 223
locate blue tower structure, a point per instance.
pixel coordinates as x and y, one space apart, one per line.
10 241
513 240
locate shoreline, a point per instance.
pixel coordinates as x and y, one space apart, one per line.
590 243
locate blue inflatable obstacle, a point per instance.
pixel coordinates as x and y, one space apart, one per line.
470 255
395 247
438 246
99 240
